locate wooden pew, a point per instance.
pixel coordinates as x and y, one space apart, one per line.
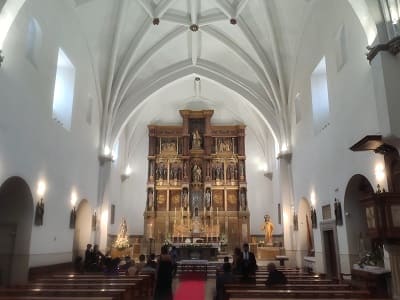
142 283
304 286
52 298
287 293
133 291
115 294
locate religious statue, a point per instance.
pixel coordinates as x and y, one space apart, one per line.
185 200
151 199
123 229
268 228
207 198
122 241
39 212
196 173
338 212
196 139
242 198
314 218
295 222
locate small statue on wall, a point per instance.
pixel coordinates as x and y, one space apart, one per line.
338 212
39 212
314 218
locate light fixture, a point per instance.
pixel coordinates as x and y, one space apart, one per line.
194 27
72 216
379 173
1 57
127 173
39 210
106 155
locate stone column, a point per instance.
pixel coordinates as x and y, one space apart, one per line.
286 197
103 202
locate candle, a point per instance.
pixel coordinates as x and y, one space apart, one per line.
175 213
204 211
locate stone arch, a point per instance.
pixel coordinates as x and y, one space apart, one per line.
16 216
357 188
83 228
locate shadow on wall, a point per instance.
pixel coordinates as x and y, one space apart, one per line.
16 216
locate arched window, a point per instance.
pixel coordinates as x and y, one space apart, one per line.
320 97
64 90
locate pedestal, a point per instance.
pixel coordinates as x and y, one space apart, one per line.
121 252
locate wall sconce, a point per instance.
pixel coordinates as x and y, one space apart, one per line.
72 216
39 210
1 57
94 221
127 173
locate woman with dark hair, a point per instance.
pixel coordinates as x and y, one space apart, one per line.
164 276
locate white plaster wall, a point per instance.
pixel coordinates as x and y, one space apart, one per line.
32 145
323 163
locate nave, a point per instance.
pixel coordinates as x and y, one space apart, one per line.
46 284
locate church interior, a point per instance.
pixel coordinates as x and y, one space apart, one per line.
201 127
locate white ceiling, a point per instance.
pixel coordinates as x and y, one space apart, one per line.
251 60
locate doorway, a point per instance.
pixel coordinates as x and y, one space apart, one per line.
330 249
83 229
16 215
7 243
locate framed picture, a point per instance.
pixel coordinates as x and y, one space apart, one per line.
326 212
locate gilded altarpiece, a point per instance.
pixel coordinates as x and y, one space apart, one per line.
196 187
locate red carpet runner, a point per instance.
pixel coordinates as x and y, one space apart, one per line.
190 289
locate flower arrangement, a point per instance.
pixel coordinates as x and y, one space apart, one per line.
121 243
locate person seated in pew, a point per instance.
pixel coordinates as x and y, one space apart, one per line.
275 276
125 264
153 261
237 261
142 262
111 266
148 268
226 262
132 270
222 278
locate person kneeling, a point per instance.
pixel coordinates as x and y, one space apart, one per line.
275 276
